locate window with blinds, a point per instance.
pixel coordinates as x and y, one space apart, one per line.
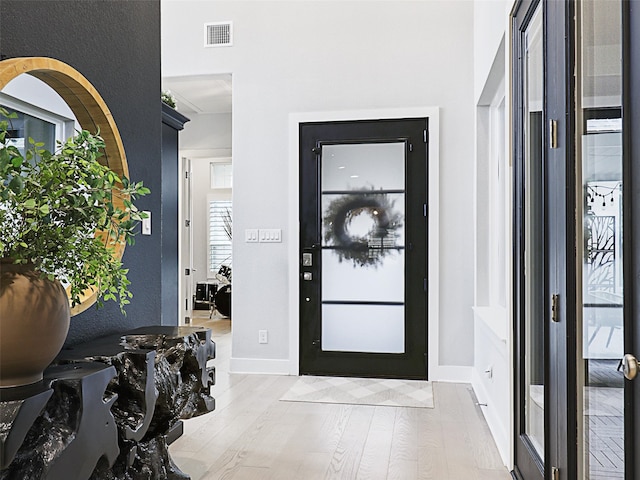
219 234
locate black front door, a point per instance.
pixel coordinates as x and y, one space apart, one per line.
363 245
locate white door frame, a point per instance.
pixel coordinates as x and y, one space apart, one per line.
295 119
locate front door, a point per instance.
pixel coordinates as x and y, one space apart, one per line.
363 245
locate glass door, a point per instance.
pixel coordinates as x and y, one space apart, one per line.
531 253
600 235
587 283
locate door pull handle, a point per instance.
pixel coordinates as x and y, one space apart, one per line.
629 366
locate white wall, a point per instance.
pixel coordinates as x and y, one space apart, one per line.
208 135
294 57
492 377
490 19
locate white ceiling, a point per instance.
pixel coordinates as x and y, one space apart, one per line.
201 94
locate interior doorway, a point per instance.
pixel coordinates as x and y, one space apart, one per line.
205 195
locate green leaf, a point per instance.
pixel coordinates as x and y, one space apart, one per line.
61 198
16 184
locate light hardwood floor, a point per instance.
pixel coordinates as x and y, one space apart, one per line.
252 435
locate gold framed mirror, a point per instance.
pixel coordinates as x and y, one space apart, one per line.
91 113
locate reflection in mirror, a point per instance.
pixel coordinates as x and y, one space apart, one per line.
42 114
41 106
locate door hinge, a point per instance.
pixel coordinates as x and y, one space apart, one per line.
186 174
424 284
555 473
553 133
187 271
411 147
424 209
187 223
555 316
425 135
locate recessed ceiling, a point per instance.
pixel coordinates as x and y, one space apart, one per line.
200 93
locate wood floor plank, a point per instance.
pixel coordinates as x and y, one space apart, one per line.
432 463
346 457
374 462
309 450
403 462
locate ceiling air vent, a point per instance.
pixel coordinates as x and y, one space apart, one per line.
219 34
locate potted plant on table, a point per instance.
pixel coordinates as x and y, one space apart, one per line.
62 214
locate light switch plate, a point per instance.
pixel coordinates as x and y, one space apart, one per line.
251 235
146 223
270 235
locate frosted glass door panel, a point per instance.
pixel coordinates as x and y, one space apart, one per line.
363 166
363 259
363 328
352 218
343 281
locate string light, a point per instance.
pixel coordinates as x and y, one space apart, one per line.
603 192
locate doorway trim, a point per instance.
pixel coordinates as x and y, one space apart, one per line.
435 371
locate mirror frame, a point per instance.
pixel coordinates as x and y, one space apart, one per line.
92 114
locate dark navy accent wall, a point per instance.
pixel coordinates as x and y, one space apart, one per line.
116 45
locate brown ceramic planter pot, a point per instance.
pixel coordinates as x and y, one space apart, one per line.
34 322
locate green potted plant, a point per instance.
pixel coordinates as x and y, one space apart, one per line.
62 216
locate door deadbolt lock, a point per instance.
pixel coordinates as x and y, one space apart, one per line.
308 276
629 366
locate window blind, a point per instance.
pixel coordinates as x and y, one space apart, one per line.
219 234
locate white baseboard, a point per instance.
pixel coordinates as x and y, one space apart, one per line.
492 417
448 373
268 366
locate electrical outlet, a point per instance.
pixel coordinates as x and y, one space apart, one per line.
263 336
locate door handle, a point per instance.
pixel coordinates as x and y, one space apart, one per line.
629 366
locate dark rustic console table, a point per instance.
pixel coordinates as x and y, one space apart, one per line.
108 409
